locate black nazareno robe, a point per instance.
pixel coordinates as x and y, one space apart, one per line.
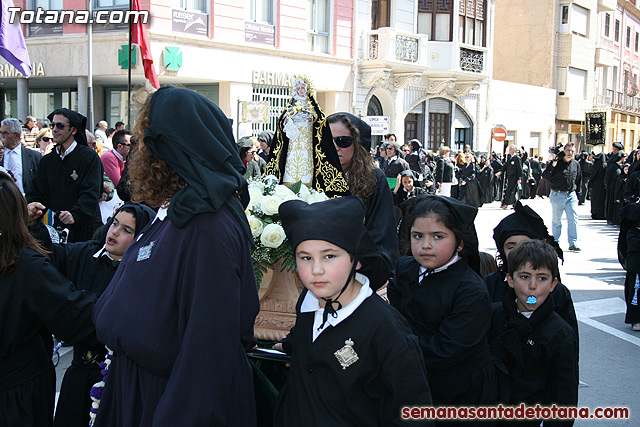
629 257
179 316
388 375
596 183
77 263
451 315
36 299
563 303
541 354
71 184
613 171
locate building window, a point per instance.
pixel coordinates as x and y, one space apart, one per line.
579 20
277 97
380 14
192 5
261 11
607 24
435 19
637 41
576 83
438 130
628 39
471 28
561 81
318 35
48 4
110 3
616 31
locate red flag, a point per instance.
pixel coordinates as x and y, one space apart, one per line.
139 37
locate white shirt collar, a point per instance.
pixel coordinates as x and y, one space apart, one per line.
453 260
17 150
118 155
311 304
103 251
160 216
69 150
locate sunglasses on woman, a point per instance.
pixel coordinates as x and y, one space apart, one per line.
46 139
343 141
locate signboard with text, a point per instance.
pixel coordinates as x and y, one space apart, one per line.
259 33
190 22
379 124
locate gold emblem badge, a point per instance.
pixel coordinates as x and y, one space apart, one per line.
346 355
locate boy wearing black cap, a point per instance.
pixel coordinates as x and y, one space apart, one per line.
537 346
526 224
355 361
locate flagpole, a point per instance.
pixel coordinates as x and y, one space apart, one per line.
90 70
129 72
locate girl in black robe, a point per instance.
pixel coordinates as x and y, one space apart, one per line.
613 171
90 266
596 184
525 224
445 301
619 201
35 300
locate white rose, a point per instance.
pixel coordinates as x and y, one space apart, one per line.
256 184
304 193
254 195
316 197
272 236
284 193
256 225
270 204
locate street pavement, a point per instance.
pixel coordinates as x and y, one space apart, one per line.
609 350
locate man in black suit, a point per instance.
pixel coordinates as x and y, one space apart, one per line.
22 162
512 172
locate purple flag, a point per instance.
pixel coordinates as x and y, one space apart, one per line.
12 46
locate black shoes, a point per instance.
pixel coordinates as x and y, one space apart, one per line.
574 248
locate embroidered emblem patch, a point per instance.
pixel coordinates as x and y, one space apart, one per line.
346 355
530 342
74 175
145 252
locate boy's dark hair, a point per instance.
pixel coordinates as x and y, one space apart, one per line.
536 252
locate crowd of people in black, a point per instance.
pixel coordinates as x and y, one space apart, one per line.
167 283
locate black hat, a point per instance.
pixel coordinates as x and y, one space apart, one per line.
339 221
618 146
526 222
77 120
364 128
408 173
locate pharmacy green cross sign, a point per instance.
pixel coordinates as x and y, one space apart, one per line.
172 58
123 57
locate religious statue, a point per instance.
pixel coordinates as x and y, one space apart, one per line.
303 148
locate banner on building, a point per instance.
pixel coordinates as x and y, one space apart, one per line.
254 111
596 128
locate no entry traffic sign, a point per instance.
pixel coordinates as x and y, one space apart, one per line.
499 134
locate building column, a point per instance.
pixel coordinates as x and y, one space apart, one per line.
23 98
83 95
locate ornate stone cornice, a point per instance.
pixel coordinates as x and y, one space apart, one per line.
373 78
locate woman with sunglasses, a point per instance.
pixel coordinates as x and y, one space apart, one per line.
352 139
44 141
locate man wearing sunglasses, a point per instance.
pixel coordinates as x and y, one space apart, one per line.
21 161
69 178
113 160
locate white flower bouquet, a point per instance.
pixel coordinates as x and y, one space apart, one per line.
271 244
